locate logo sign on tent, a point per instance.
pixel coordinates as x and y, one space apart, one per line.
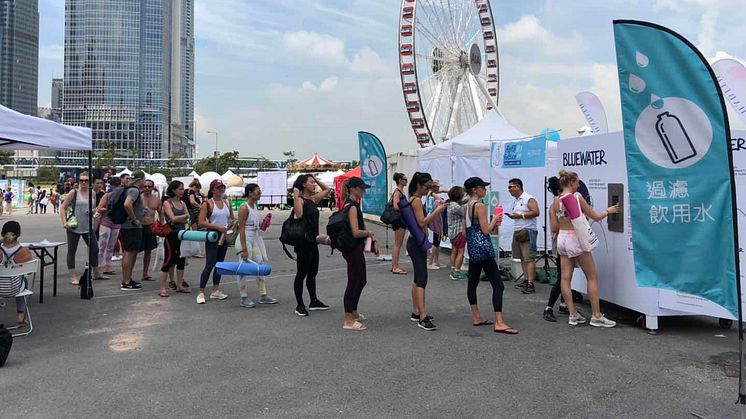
374 171
731 75
676 135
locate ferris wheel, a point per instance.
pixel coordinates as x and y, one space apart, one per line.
448 63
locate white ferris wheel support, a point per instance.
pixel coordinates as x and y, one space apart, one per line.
448 64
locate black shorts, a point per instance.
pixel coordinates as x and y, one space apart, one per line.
396 225
131 239
149 239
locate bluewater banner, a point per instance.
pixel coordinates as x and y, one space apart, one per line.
681 187
593 111
374 171
525 153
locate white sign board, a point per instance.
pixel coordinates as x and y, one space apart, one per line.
274 187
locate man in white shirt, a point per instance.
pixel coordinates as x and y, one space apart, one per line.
525 213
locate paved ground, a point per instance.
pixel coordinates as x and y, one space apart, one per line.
138 355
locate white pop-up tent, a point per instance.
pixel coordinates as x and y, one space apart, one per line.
23 132
468 154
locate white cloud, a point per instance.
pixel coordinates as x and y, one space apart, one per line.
708 27
52 52
327 85
529 32
321 48
369 62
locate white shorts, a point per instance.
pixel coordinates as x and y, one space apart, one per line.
568 244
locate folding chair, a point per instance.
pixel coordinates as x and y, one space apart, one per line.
29 270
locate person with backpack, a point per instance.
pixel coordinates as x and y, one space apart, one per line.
251 243
399 230
108 231
127 208
482 256
216 214
76 222
305 207
354 189
8 198
13 253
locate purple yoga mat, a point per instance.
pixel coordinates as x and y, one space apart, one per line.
407 216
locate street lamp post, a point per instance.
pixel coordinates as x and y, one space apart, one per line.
216 149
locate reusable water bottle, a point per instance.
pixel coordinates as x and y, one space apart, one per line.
266 222
674 138
498 212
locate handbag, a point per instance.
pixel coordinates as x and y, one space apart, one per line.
72 221
521 236
586 236
86 287
479 245
232 234
188 249
390 214
161 229
6 342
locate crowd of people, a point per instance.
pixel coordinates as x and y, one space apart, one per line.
128 213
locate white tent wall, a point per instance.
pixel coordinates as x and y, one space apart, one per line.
402 162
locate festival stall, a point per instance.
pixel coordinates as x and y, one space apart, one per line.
600 161
340 180
402 162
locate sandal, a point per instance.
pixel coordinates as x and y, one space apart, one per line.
483 323
184 291
507 331
101 278
109 273
147 278
74 282
355 326
163 294
399 271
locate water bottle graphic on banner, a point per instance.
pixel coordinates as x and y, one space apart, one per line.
674 138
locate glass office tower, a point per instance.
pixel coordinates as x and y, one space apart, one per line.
19 55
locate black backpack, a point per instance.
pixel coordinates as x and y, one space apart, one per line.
6 341
86 287
115 207
339 230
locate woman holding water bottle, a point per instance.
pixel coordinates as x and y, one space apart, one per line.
251 244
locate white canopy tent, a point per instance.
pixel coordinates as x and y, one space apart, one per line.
124 172
467 154
194 174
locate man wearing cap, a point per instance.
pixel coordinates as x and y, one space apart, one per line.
132 230
525 213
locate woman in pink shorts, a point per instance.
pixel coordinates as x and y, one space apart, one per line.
571 253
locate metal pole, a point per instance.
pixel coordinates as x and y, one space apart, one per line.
91 235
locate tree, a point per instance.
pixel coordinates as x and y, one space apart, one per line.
265 163
224 162
47 174
105 157
6 157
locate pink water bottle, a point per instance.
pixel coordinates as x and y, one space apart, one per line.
498 212
265 223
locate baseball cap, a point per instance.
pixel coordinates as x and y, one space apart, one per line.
115 181
12 227
216 184
474 182
138 175
356 182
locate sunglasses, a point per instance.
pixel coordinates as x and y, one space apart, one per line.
83 180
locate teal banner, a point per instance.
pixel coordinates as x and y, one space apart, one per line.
681 188
374 170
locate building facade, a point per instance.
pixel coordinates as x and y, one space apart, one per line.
19 55
119 76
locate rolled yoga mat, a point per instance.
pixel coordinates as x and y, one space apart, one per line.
243 268
198 236
407 216
570 202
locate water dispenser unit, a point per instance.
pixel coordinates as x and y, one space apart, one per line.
616 196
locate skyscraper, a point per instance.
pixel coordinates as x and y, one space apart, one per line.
19 55
123 75
57 94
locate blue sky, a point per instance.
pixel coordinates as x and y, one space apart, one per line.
306 76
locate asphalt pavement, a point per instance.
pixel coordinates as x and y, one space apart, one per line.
134 354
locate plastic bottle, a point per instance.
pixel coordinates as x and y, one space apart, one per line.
674 137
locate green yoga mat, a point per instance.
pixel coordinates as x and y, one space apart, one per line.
198 236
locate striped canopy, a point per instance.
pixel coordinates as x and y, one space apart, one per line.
315 161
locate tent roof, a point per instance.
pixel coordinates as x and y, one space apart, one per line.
315 161
24 132
124 172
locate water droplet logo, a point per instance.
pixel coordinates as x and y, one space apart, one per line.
636 84
656 102
642 59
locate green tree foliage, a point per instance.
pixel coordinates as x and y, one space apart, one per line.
47 174
6 157
105 158
220 165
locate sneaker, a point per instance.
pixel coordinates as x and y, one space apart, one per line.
426 324
246 302
522 284
454 276
528 289
135 282
576 319
416 317
549 315
116 258
602 322
132 286
433 267
462 276
301 311
172 285
267 299
218 295
201 298
563 309
317 306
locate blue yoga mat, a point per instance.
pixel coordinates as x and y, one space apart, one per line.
198 236
410 221
243 268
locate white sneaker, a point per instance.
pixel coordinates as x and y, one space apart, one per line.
116 258
217 295
200 298
433 267
575 319
602 322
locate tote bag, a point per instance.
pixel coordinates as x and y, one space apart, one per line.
586 236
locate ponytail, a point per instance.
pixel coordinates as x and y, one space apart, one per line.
418 179
9 238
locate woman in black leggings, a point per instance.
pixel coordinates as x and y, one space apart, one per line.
419 186
356 273
478 230
553 186
175 212
305 207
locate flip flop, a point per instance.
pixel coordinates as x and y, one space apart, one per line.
147 278
184 291
163 294
399 272
101 278
355 326
483 323
109 273
508 331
